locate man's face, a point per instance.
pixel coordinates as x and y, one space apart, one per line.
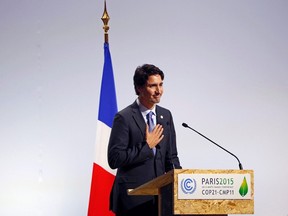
151 93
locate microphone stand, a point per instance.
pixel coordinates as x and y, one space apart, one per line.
187 126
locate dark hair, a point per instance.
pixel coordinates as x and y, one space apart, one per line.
142 74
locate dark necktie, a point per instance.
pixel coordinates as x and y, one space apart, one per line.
151 125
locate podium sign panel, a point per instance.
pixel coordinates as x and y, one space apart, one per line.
213 206
214 186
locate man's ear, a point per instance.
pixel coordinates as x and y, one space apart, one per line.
139 90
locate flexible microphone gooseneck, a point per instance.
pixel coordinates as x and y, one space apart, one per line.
187 126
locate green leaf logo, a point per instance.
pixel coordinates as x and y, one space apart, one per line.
244 188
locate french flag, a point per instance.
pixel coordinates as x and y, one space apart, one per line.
102 175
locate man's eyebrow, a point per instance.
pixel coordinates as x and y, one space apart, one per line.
154 84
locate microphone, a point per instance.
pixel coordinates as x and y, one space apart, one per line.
187 126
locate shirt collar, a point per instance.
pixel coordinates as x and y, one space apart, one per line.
144 109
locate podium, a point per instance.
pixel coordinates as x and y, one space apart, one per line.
216 192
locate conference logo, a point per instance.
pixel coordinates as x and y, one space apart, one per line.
243 190
188 185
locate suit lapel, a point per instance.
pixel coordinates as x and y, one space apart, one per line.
161 118
137 116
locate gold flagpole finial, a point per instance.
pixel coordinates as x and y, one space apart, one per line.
105 18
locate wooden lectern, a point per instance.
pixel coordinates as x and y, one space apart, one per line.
166 187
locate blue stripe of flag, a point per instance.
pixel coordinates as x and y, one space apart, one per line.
108 103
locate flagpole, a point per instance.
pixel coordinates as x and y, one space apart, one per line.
105 18
102 175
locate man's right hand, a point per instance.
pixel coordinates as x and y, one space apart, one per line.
155 136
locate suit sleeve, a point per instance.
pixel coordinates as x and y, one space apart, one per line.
127 146
172 160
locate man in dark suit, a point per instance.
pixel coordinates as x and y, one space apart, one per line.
142 144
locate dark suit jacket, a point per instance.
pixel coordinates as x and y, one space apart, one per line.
134 160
